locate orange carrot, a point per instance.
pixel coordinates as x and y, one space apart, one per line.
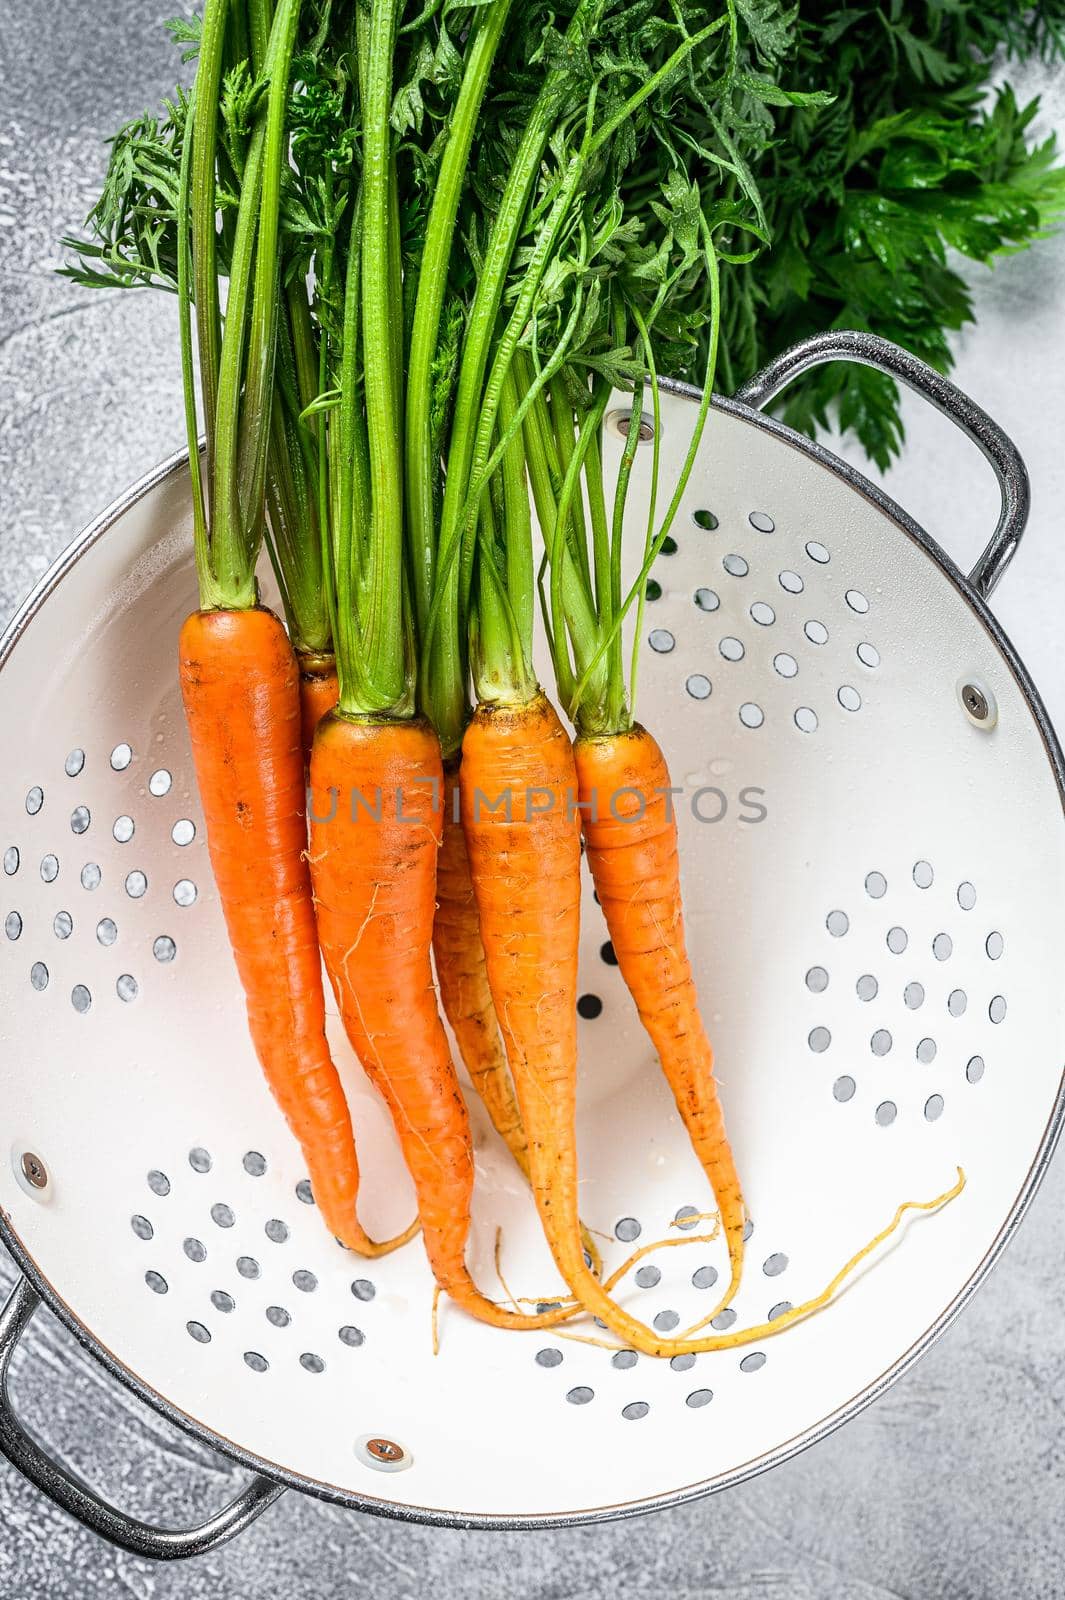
319 688
239 685
463 980
375 837
519 794
631 837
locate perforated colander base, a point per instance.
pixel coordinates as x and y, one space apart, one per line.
877 946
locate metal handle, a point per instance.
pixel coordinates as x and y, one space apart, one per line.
867 350
79 1501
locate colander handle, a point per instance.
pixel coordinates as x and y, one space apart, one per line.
867 350
68 1492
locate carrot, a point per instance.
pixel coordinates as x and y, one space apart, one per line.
239 686
319 688
375 837
631 838
466 995
519 794
463 980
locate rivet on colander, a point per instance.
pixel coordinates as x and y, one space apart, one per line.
978 703
383 1454
34 1170
622 422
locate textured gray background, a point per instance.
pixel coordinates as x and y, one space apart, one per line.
952 1486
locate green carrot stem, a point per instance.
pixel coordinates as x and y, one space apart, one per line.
421 470
383 639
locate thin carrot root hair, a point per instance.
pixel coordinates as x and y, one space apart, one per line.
799 1313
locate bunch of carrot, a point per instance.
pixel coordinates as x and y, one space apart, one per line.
449 232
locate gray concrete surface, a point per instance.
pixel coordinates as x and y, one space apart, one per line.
952 1486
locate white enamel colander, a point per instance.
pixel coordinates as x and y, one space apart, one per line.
874 866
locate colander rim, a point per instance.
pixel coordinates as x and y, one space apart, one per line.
429 1516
